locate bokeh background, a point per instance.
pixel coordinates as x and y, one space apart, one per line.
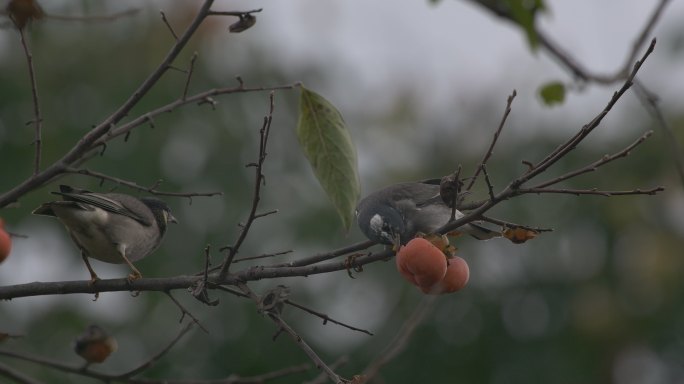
422 87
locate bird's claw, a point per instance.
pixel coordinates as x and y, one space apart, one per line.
133 276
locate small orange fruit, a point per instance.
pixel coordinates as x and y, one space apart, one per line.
455 279
421 263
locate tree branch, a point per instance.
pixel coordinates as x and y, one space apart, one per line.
259 180
37 118
85 144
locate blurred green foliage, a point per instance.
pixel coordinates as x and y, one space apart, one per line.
599 300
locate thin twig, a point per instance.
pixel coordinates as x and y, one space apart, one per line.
598 163
401 339
490 187
256 194
282 325
262 256
16 376
327 255
189 76
318 362
142 367
568 61
325 317
88 141
37 117
322 378
168 25
650 102
572 143
508 224
197 98
234 13
514 187
184 312
593 191
130 184
490 150
642 38
95 18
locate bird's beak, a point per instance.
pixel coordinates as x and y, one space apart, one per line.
170 218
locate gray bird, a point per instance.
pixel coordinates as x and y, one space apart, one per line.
395 214
111 227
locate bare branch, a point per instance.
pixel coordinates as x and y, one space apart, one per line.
335 378
327 255
88 141
203 97
181 282
189 76
569 62
325 317
490 187
37 118
490 150
262 256
514 188
17 376
168 25
283 326
650 102
144 366
95 18
152 189
322 378
184 312
256 196
234 13
595 165
508 224
593 191
570 144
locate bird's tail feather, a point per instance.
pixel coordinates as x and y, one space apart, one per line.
481 233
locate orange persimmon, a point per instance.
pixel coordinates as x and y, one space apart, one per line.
421 263
455 279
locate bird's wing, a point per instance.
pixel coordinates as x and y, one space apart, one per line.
106 203
46 209
419 194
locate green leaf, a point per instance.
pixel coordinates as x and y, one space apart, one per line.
523 13
552 93
327 144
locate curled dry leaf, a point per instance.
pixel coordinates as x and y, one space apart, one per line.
23 11
519 235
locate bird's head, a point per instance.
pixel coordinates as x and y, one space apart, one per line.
161 211
380 223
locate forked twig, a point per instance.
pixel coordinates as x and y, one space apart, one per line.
595 165
256 194
490 150
515 188
283 326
